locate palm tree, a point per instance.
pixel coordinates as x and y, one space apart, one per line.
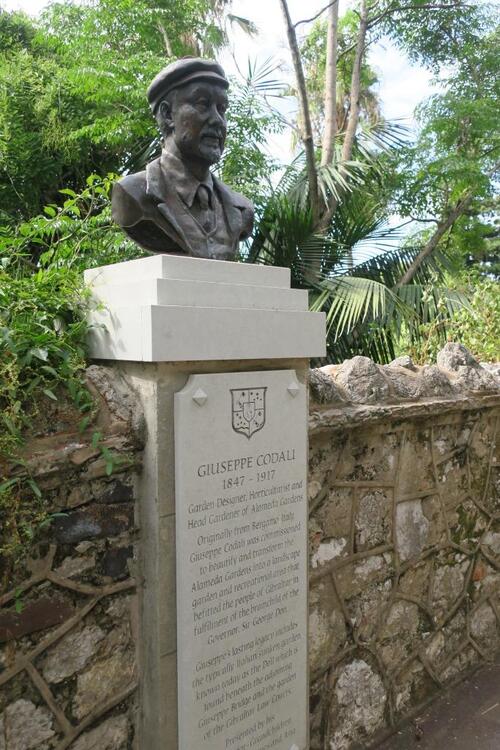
359 264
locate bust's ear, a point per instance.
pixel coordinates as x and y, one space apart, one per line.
165 114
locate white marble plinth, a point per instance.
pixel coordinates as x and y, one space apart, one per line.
168 308
172 324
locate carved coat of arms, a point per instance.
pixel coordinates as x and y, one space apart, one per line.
248 410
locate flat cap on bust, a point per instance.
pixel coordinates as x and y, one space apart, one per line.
181 72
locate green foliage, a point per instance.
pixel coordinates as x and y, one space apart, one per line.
43 302
476 325
76 234
21 514
61 120
42 344
453 157
42 338
42 356
436 37
367 312
285 233
475 239
245 165
28 168
456 152
72 91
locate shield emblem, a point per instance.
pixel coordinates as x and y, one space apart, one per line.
248 410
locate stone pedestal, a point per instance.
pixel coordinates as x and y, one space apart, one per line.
163 320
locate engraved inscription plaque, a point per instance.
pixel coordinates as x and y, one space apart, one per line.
241 534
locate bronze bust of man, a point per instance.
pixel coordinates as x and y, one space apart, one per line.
176 205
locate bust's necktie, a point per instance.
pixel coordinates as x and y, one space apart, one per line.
206 216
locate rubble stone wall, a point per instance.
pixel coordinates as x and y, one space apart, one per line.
68 672
404 539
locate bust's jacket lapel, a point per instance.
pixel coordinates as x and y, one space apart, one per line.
158 188
231 210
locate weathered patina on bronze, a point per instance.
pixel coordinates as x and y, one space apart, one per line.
177 205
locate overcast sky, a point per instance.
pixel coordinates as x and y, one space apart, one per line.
401 86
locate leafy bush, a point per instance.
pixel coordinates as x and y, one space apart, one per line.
43 303
476 325
42 336
42 332
78 234
42 300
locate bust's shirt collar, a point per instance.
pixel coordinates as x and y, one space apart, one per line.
184 182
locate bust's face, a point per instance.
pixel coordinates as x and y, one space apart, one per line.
199 120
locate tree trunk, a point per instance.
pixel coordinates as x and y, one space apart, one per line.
352 122
353 118
330 130
166 40
455 212
307 134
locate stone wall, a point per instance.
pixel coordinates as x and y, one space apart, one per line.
67 625
404 508
405 539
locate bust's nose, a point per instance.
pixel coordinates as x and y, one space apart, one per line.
215 117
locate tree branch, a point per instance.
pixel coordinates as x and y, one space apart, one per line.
455 212
353 46
310 20
442 227
423 221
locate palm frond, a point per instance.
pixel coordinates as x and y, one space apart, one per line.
259 77
384 135
335 179
431 304
350 302
244 23
143 152
390 265
291 174
339 178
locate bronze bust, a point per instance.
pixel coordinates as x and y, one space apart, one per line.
177 205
